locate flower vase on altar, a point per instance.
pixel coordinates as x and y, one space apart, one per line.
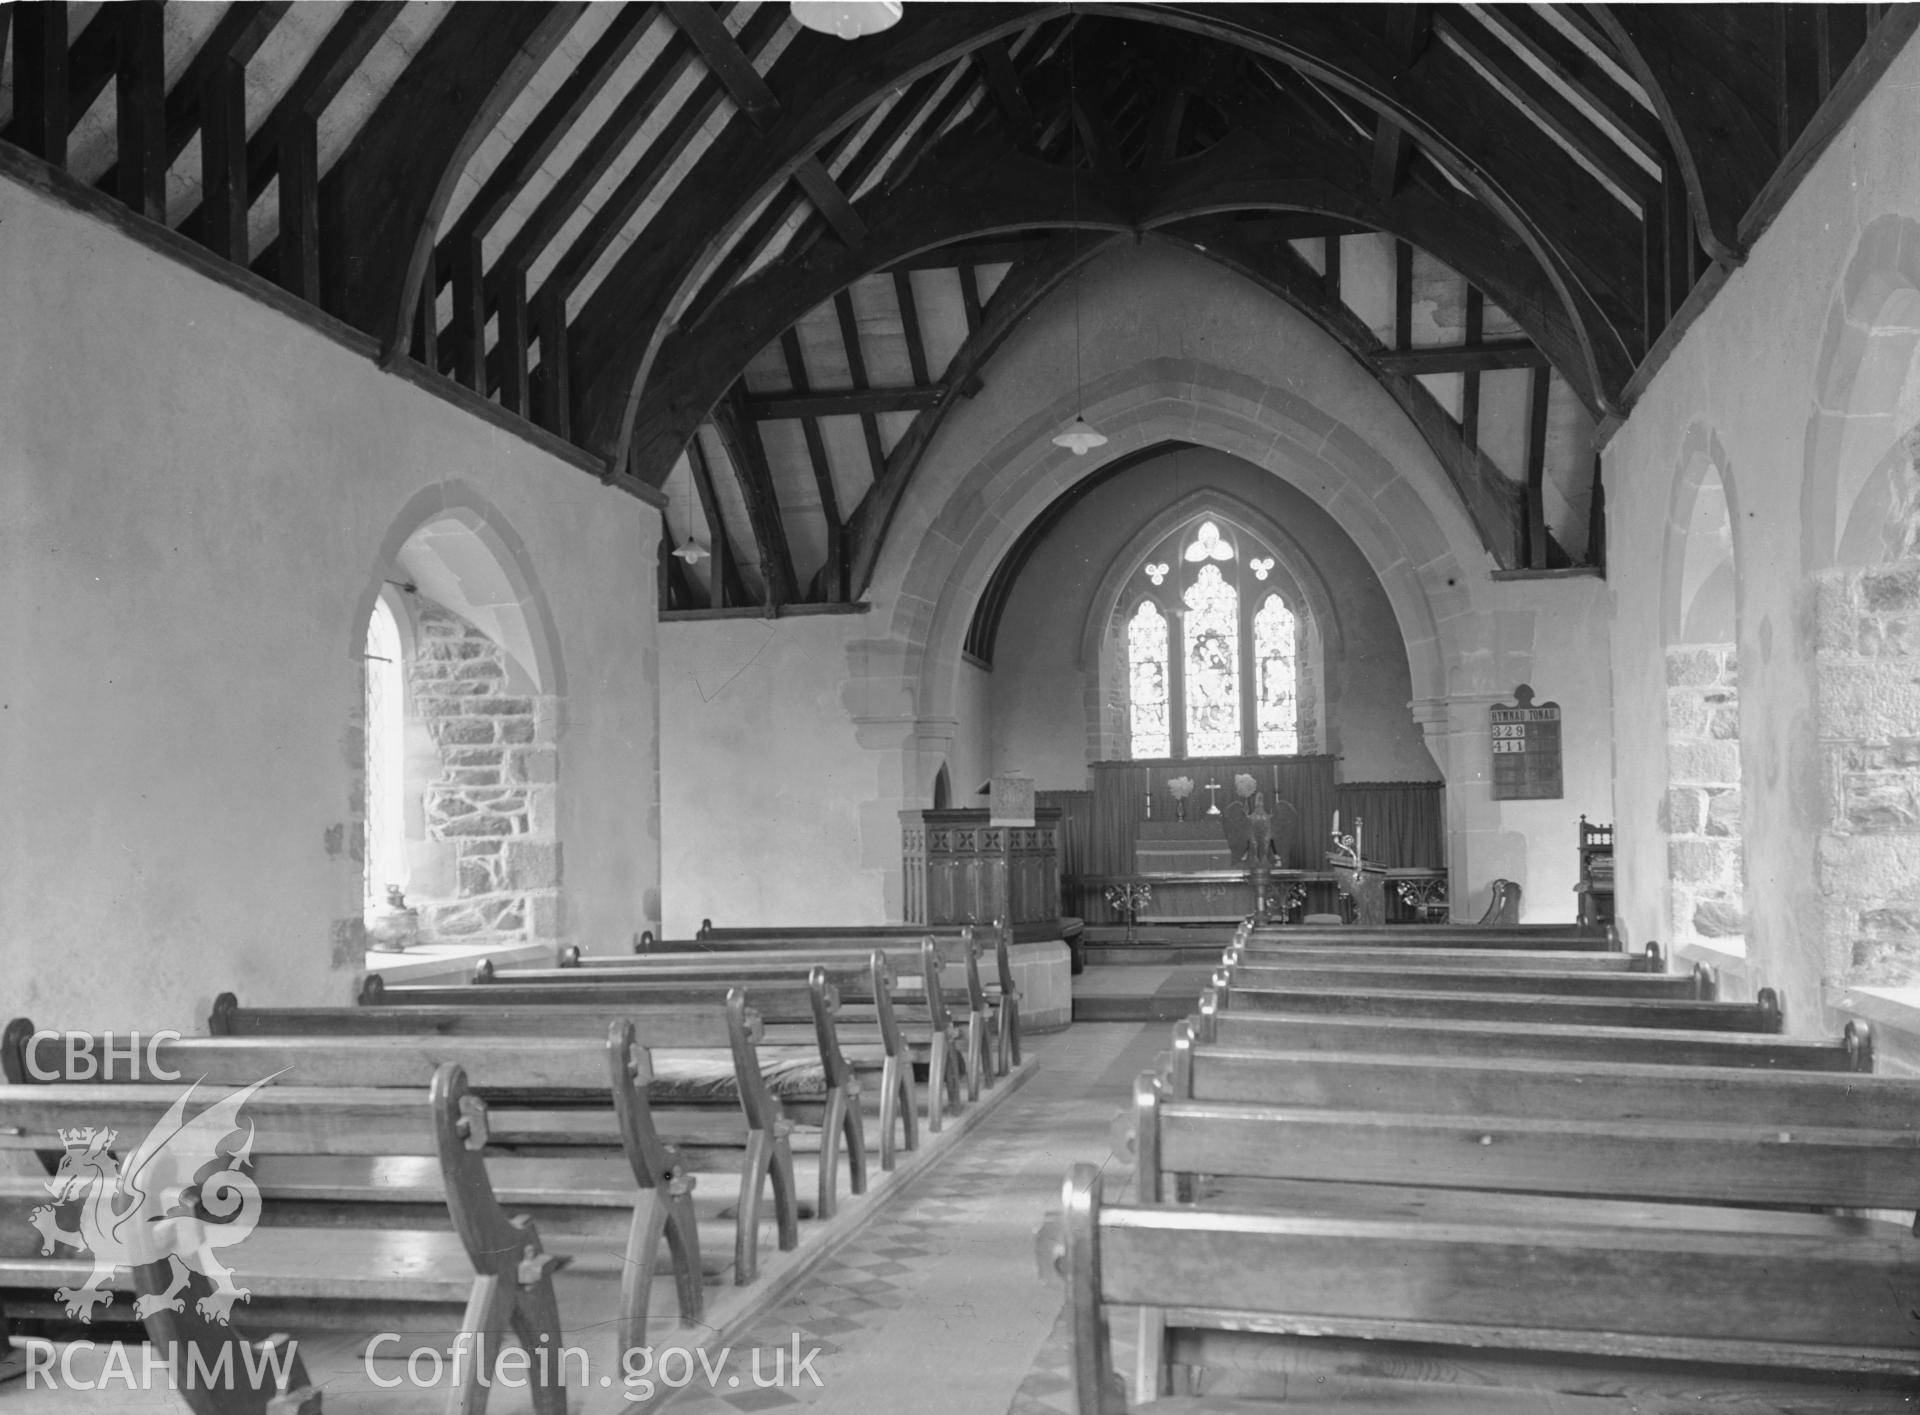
1180 787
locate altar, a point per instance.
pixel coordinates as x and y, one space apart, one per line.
1150 843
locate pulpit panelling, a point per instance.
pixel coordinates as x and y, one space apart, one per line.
962 870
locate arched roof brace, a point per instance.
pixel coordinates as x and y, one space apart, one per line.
1588 246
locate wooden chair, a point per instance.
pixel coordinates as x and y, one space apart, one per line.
1595 886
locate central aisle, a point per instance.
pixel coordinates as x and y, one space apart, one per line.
937 1304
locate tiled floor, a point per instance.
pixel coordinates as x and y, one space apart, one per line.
938 1304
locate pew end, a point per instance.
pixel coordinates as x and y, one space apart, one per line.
1098 1388
1858 1041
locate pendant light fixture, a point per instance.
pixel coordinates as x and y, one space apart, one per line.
850 19
692 552
1079 436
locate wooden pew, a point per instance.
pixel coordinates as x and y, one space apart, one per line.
923 966
923 1015
1518 1086
866 1023
798 996
818 1087
922 1003
1452 1142
1545 938
1688 1159
1762 1015
1262 952
990 1005
1273 973
486 1276
691 1093
1235 1285
1547 1041
959 945
534 1089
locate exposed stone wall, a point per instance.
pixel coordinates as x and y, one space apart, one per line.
1869 703
1704 856
495 874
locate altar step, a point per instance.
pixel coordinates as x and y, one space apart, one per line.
1155 945
1139 992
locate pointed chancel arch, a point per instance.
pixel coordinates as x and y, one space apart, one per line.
942 574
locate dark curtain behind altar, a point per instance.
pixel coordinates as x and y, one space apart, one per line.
1119 803
1406 820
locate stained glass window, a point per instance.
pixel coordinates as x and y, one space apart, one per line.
1275 715
1151 730
1211 634
1212 667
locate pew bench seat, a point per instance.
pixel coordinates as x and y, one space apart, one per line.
1762 1015
1284 1030
483 1275
790 1073
1221 1289
1340 1199
419 1268
756 1142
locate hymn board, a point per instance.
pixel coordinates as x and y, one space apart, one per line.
1526 749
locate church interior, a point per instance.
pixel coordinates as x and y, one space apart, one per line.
1088 706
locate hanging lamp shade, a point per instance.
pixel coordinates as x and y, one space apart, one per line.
849 19
1080 437
692 552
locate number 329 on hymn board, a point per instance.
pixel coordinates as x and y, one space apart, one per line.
1526 748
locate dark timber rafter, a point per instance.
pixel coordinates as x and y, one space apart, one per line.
1409 26
981 192
825 86
235 39
1031 280
745 86
1490 499
288 130
741 438
633 190
833 573
1713 93
1587 244
381 203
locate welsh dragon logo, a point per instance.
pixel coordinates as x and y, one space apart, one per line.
179 1198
